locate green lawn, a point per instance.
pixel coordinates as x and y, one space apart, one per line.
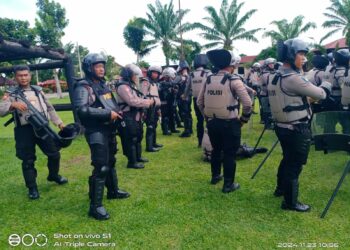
172 204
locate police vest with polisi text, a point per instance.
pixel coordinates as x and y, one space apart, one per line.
287 108
198 78
219 99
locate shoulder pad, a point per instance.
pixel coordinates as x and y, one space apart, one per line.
82 82
121 82
235 77
11 90
36 88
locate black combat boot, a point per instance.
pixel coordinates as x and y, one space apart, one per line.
139 152
165 126
155 144
97 210
229 186
149 141
216 179
190 125
186 132
33 193
113 191
30 174
53 165
291 190
132 159
279 188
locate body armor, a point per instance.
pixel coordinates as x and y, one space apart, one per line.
219 100
286 108
198 78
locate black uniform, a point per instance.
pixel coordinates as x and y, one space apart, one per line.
94 103
168 104
184 105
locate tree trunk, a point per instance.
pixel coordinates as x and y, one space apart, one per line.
58 85
137 58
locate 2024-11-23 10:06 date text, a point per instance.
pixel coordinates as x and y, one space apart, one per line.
308 245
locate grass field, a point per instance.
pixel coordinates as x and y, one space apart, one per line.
172 204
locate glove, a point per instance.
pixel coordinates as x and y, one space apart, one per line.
327 87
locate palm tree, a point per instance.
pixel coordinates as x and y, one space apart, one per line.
289 30
225 25
134 38
339 19
163 25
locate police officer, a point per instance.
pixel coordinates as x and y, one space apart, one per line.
334 73
252 80
288 91
184 101
218 102
25 137
132 102
149 87
265 111
167 95
98 110
198 78
315 75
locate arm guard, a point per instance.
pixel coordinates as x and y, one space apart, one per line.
84 111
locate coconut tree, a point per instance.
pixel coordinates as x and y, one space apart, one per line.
134 38
286 30
338 18
226 25
163 26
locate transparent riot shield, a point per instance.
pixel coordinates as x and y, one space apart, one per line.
331 132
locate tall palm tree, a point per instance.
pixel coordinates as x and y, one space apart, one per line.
225 26
286 30
163 25
339 19
134 38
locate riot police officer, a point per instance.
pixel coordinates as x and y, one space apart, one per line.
167 95
218 102
315 75
149 87
132 102
288 91
25 136
252 80
184 102
265 111
198 78
98 110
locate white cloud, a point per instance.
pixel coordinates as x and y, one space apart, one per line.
98 25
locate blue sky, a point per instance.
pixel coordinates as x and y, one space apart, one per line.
98 25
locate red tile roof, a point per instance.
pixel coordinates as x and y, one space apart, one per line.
247 59
340 43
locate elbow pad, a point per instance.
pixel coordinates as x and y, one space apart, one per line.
94 113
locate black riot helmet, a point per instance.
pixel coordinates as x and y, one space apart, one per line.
90 60
129 71
183 64
342 57
200 60
330 57
320 61
68 133
287 51
222 58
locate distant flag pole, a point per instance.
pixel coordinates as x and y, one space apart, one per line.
182 57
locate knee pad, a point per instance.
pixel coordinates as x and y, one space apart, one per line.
102 172
27 164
